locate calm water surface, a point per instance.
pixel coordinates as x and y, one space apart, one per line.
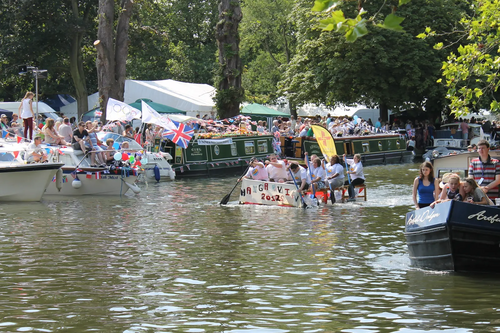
172 260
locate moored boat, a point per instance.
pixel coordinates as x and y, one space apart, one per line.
456 236
20 181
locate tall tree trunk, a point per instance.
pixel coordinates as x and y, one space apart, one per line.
229 93
76 59
111 58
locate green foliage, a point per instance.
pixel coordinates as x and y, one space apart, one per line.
471 72
385 67
354 28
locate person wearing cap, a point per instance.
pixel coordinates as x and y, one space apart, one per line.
485 170
4 122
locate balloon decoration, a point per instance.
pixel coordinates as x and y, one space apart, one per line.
117 157
116 146
125 157
131 159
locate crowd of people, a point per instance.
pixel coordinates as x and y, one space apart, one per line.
480 187
320 174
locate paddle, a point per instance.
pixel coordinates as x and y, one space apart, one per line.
297 186
225 200
314 200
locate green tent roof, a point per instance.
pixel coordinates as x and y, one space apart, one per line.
261 110
160 108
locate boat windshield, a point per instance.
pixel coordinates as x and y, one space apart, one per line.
103 136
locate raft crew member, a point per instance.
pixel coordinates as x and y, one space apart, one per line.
276 169
356 173
300 175
334 175
318 175
257 171
486 170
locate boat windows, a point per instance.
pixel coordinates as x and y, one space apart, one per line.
380 145
262 146
234 151
249 147
366 147
460 173
103 136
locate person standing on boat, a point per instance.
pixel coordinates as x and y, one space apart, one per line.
356 174
465 130
26 113
486 170
276 169
425 186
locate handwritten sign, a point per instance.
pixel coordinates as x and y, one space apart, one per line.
269 193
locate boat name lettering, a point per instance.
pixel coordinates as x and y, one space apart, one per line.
427 216
264 187
482 217
268 197
196 151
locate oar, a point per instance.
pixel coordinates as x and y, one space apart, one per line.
347 170
298 190
225 200
310 174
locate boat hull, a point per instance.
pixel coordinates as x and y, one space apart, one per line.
106 184
259 192
26 182
455 236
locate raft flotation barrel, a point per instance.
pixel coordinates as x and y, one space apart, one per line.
156 171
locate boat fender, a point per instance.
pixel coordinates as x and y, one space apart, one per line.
76 183
156 171
133 187
59 177
171 174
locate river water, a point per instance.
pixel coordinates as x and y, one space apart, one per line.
172 260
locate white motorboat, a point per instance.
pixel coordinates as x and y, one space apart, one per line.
157 165
78 177
20 181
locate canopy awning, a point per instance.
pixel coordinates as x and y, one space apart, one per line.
160 108
261 110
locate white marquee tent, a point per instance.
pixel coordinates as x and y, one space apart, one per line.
194 98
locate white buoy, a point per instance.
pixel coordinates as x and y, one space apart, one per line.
76 183
59 176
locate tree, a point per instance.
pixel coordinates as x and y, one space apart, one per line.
471 72
393 70
112 50
230 93
267 43
50 35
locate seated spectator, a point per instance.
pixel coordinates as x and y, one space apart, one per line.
474 194
80 136
109 153
300 176
451 189
4 122
51 135
129 131
276 169
35 152
96 155
65 130
256 171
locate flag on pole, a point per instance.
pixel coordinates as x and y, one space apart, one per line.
116 110
325 140
4 133
89 175
98 113
180 134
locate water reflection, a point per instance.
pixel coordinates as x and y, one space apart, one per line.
173 260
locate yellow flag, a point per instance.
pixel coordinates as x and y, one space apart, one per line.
325 140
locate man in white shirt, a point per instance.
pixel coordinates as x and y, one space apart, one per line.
257 171
65 130
300 176
276 169
36 152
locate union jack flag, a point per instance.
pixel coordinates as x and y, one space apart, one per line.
180 134
98 113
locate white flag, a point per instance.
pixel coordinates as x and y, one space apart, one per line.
151 116
116 110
